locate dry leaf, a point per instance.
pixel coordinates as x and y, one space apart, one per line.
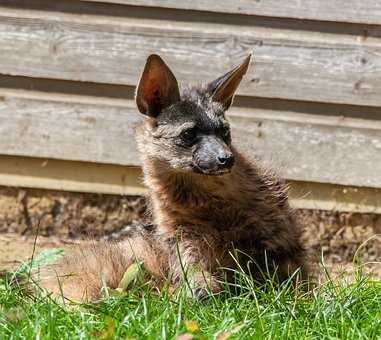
15 314
109 332
191 326
132 274
185 336
227 334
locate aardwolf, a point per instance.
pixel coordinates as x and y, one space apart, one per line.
207 199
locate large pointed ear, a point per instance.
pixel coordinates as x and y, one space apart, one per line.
157 88
222 89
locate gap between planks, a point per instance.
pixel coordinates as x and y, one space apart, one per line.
92 47
300 146
120 180
351 11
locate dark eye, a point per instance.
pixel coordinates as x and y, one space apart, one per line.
226 135
189 136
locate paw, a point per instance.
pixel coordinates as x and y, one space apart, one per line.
201 293
203 285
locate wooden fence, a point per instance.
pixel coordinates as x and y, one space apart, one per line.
310 105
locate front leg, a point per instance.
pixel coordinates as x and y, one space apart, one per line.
194 263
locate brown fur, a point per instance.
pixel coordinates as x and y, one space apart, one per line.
200 218
245 210
82 274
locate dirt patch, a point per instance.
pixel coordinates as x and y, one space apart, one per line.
339 236
62 219
76 215
16 249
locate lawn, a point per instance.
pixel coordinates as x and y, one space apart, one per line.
336 309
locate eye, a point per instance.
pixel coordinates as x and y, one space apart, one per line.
189 136
226 135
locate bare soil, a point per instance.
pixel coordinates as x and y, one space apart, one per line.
70 215
62 219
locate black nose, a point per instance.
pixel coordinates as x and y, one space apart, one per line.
226 160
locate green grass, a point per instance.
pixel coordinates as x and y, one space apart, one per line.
335 310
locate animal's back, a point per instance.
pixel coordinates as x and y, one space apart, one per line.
207 199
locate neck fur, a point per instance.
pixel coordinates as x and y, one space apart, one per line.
174 191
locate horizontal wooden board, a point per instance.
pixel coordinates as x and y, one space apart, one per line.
118 95
288 63
366 11
54 174
300 146
317 149
61 130
307 195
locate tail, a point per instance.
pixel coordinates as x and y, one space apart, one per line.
81 275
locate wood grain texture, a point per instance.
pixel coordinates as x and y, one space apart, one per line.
301 147
28 172
288 63
307 195
59 130
53 174
317 149
366 11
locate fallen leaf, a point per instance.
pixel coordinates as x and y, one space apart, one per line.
227 334
132 274
185 336
117 292
191 326
109 332
15 314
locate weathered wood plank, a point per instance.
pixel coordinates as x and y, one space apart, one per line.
304 148
288 63
317 149
54 174
100 134
366 11
307 195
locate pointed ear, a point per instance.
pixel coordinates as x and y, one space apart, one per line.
222 89
157 88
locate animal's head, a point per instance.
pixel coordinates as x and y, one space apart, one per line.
188 131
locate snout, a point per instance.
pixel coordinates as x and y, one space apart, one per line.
213 157
226 160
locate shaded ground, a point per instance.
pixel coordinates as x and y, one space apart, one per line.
63 219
